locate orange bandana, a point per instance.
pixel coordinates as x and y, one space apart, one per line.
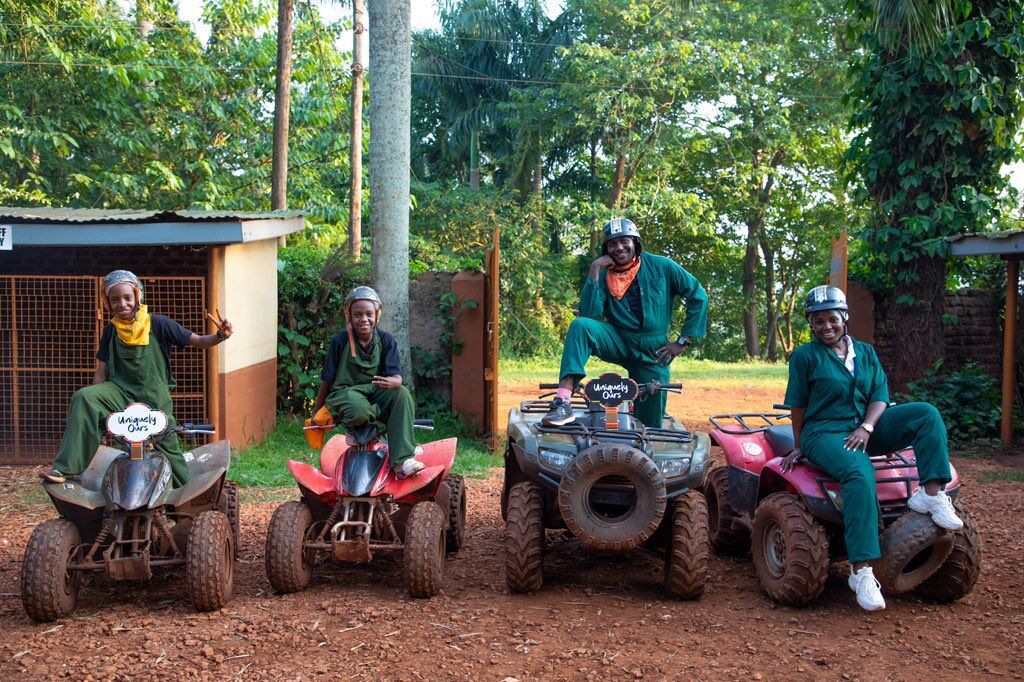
619 279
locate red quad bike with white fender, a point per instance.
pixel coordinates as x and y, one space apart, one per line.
353 505
793 521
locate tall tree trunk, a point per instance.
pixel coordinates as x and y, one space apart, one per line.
355 195
618 182
771 310
751 334
144 24
918 336
474 160
390 111
282 105
538 179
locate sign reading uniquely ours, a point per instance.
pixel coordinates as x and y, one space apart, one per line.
6 237
610 389
137 423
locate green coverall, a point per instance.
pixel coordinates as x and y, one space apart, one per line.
620 338
836 404
355 401
135 374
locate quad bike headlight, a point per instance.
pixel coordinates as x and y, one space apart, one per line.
670 468
836 498
554 459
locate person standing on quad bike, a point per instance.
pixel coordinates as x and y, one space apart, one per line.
362 381
133 366
634 292
839 399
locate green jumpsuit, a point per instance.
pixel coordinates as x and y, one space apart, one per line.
355 401
135 374
622 339
836 404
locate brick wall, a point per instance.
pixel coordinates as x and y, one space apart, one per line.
973 331
425 292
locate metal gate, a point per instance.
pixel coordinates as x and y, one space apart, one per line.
50 327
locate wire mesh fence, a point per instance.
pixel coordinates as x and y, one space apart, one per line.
50 328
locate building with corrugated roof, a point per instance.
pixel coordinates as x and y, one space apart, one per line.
52 313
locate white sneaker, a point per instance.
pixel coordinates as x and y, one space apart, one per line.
938 506
411 467
867 589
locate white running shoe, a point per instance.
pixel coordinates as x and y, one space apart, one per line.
411 467
867 589
938 506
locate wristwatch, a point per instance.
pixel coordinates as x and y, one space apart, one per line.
867 427
683 341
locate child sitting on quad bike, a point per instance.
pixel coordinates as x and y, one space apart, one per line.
133 366
362 381
625 311
841 416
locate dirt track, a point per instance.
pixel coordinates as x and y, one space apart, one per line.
595 617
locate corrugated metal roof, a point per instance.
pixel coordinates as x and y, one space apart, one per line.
99 227
1009 243
104 215
1005 234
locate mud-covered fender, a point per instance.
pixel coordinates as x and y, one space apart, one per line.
425 483
74 493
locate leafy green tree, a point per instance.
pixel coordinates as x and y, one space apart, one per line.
937 116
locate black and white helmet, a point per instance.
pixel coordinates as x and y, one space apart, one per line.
826 297
619 227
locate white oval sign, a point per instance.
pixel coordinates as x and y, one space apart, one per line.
137 423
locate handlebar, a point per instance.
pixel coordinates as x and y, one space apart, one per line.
423 424
548 387
780 406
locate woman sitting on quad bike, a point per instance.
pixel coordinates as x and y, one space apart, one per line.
362 382
133 366
841 416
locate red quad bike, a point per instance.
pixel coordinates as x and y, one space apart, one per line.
354 505
793 522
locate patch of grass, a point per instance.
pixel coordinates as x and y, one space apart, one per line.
545 370
31 493
1012 475
266 464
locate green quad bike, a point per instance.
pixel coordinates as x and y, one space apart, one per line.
614 483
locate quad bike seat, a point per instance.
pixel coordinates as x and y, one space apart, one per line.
781 439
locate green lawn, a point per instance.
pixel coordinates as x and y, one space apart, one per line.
266 464
545 370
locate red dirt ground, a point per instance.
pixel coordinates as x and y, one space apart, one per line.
595 618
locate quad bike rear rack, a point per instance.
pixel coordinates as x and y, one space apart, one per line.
736 424
890 510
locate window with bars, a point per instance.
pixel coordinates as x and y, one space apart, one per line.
50 327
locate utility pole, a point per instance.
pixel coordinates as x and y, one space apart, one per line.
355 196
390 114
282 104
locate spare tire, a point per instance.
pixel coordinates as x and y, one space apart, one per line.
612 497
913 548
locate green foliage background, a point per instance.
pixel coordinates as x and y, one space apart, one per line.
727 131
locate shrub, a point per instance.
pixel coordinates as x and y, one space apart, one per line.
968 400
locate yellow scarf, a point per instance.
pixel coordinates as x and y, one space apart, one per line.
134 332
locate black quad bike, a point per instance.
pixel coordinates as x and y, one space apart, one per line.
616 484
122 519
